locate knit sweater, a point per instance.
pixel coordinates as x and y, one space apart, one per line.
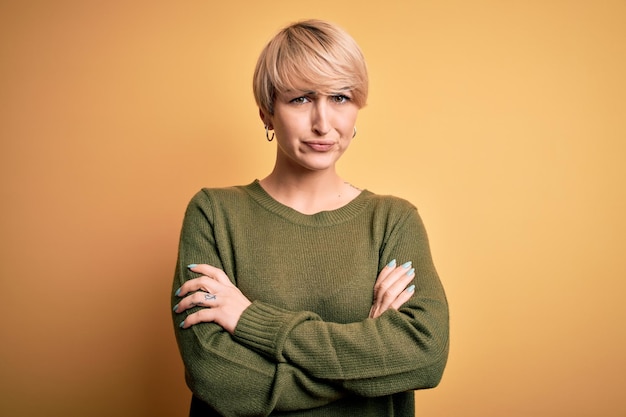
305 346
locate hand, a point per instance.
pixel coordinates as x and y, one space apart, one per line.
223 302
390 289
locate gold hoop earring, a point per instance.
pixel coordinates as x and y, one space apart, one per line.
354 134
267 134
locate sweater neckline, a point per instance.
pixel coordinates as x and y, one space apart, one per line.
322 218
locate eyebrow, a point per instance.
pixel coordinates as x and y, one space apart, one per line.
315 93
297 91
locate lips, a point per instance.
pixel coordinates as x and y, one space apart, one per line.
320 146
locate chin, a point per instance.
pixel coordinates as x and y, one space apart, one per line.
321 165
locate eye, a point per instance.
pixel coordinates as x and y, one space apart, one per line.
340 98
299 100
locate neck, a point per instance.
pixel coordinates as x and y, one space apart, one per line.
310 192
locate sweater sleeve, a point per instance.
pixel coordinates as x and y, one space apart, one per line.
232 378
398 351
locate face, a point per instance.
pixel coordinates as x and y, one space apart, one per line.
312 129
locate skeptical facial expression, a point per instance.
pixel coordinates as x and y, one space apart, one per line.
313 129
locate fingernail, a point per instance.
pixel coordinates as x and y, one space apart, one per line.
407 265
175 307
190 266
392 263
182 323
410 272
177 292
411 288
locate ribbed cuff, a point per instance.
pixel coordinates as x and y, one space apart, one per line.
264 328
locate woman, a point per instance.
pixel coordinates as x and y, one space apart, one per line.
299 294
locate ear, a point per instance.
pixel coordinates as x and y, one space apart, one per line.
267 120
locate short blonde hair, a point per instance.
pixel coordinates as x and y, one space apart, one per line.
314 53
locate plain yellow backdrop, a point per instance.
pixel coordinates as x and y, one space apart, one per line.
503 121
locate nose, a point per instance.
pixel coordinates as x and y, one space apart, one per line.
320 118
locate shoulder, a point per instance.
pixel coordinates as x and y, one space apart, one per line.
397 217
209 195
391 211
218 199
390 203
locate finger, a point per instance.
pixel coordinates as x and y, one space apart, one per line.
202 283
206 315
197 299
387 297
386 271
403 297
210 271
374 311
380 289
382 276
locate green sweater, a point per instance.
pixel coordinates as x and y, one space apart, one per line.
306 347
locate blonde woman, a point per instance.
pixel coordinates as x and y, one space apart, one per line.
300 294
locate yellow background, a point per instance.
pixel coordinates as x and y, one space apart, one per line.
503 121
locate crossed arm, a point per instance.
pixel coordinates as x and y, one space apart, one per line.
285 371
223 303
